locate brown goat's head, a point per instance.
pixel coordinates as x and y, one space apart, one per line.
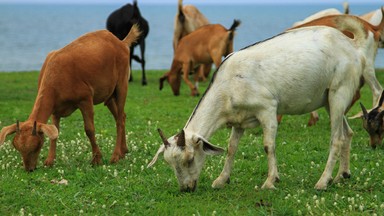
174 80
373 123
29 140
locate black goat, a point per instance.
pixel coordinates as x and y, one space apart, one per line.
120 23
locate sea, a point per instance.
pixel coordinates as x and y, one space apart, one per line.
28 32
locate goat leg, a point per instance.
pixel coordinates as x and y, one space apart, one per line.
86 108
52 147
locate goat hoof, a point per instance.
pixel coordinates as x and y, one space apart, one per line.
48 163
346 175
144 83
277 179
320 185
220 182
312 122
341 177
228 181
268 186
96 160
123 152
116 157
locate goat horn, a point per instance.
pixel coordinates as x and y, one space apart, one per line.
365 113
181 139
34 133
165 141
17 126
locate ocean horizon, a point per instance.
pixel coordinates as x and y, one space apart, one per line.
28 32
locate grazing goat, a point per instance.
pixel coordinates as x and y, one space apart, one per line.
92 69
187 20
120 22
373 123
205 45
320 66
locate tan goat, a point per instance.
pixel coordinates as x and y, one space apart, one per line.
205 45
187 20
92 69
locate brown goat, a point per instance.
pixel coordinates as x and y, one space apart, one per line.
205 45
92 69
187 20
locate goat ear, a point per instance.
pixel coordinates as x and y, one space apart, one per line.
7 131
162 79
50 131
164 138
365 113
208 148
161 150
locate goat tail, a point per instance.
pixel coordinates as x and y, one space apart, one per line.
235 24
180 5
180 16
232 29
133 35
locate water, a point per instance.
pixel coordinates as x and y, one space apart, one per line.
29 32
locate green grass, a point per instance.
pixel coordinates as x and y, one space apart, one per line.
128 187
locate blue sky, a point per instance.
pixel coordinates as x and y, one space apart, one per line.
196 1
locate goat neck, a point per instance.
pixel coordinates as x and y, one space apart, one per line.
207 117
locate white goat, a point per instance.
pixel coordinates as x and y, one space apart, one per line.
293 73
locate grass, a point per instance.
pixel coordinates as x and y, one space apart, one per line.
128 187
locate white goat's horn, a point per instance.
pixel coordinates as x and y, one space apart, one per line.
181 139
165 141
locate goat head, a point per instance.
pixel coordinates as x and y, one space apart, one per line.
29 140
373 122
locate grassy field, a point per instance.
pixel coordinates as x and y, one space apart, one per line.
129 188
